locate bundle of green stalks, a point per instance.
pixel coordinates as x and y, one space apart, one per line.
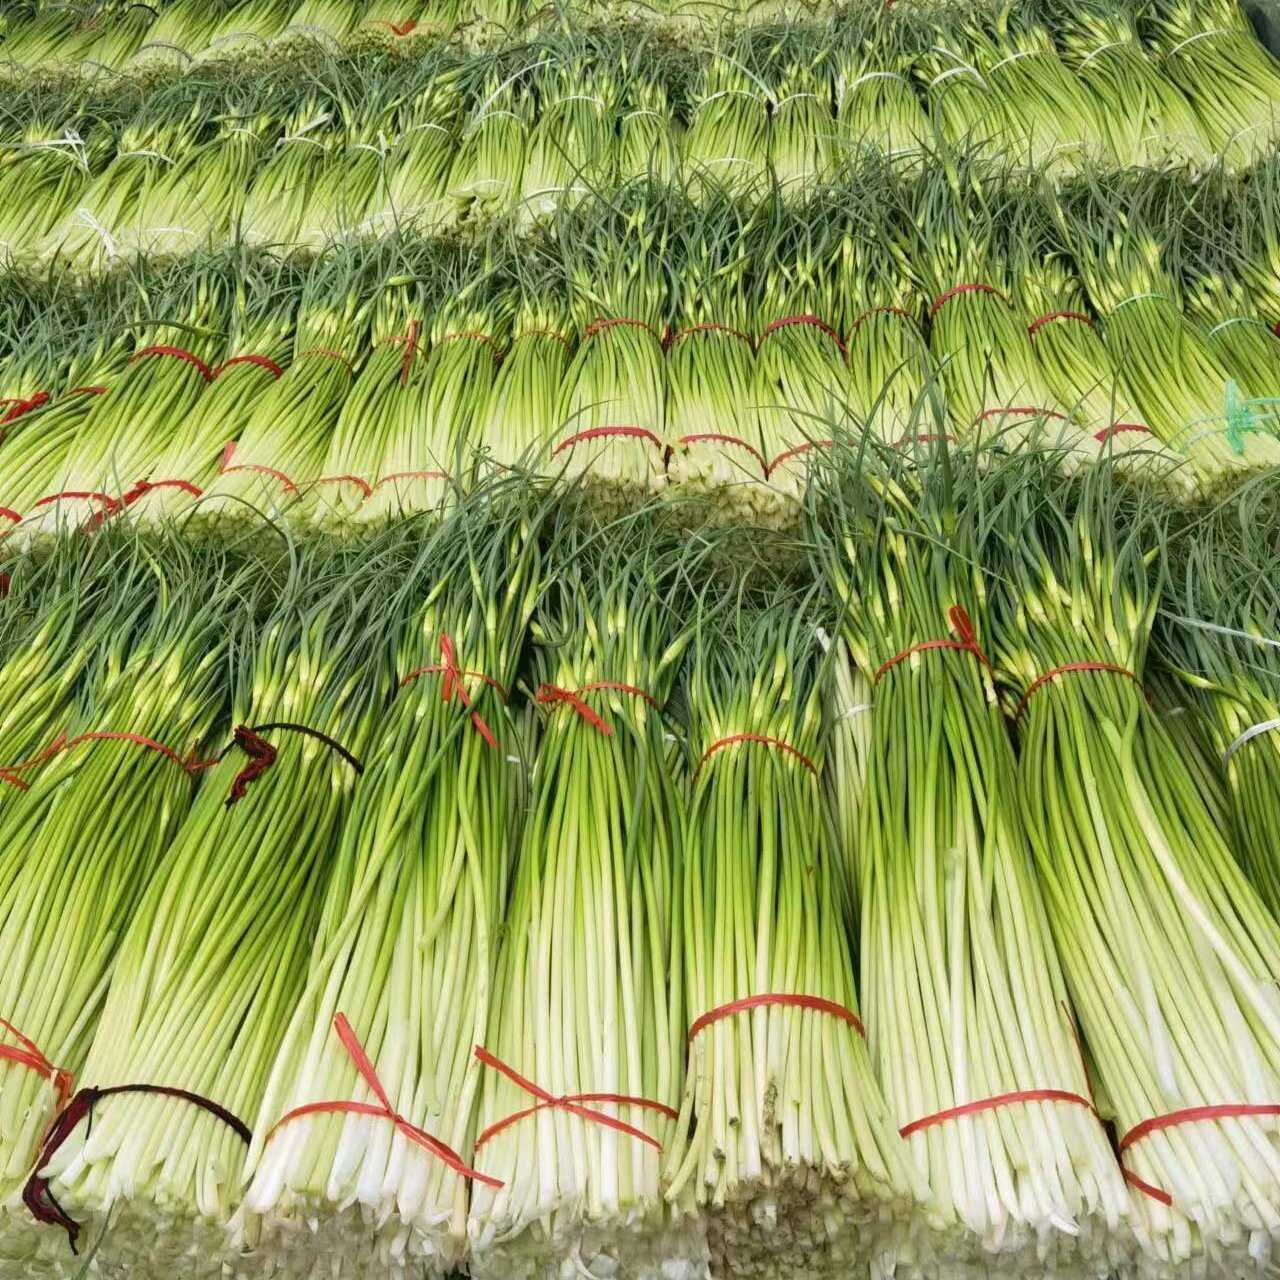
146 405
111 43
784 1140
43 175
275 205
519 422
1170 955
571 144
418 165
584 1052
197 202
102 228
648 143
1253 214
1220 629
350 193
1208 49
876 103
726 147
247 28
489 163
717 464
802 130
101 799
801 384
407 947
49 38
612 398
1217 302
258 346
179 32
216 953
887 356
985 367
970 1033
1180 388
285 438
1145 118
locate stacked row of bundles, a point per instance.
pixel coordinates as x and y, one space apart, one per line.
712 363
96 174
536 895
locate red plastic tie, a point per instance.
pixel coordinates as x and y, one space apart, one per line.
401 29
384 1110
709 327
612 322
1025 410
178 353
333 355
8 513
262 755
110 505
1043 320
943 298
924 439
62 743
816 321
261 361
600 433
144 487
1066 669
21 406
764 741
795 452
1146 1188
542 333
228 466
27 1054
366 489
962 625
991 1104
550 693
816 1003
1119 429
878 311
87 391
452 685
410 341
572 1103
717 437
36 1194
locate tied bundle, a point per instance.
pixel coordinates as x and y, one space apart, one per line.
418 163
349 194
1170 956
216 952
282 444
146 405
584 1053
324 22
1144 116
488 165
1220 630
179 31
970 1033
876 104
275 206
612 397
407 948
726 148
802 131
245 28
784 1139
258 347
648 144
1126 244
44 174
101 798
717 464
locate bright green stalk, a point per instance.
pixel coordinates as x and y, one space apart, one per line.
1171 958
784 1139
962 988
216 954
407 946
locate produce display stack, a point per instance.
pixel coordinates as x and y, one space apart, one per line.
639 639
